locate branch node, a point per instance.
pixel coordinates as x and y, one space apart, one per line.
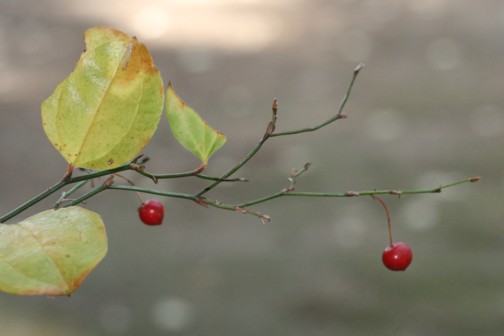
270 129
137 167
201 202
240 210
109 181
352 194
200 169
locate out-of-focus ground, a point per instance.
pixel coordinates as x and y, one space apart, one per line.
427 109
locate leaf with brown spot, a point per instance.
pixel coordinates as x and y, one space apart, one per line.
52 252
105 112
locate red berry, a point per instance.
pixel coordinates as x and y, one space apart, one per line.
397 257
151 212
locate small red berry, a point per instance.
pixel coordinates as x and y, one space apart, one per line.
151 212
397 257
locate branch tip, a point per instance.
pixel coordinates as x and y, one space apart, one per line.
265 219
275 105
475 179
136 158
359 68
139 160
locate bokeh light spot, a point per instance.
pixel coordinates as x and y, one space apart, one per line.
173 314
443 54
151 22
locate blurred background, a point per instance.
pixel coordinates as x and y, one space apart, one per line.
427 109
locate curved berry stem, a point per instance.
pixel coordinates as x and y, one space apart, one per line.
382 202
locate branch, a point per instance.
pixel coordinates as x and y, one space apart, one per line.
67 179
137 165
270 129
339 114
152 192
288 191
264 218
33 201
193 173
243 207
267 134
359 193
63 198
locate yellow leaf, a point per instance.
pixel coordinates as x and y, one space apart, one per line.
52 252
107 110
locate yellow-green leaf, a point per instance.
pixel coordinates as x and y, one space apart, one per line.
107 110
51 252
190 129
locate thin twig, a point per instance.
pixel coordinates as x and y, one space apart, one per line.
243 207
33 201
356 193
264 218
294 175
269 130
192 173
339 114
64 182
152 192
87 195
64 195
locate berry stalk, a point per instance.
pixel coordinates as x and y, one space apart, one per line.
389 225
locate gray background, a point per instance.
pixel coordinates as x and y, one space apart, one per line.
426 110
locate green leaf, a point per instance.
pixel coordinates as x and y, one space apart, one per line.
51 252
190 129
107 110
